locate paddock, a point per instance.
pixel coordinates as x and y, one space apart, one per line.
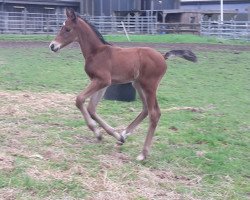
201 146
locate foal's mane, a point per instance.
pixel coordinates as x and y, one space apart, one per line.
95 30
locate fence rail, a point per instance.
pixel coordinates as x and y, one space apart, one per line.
193 28
39 23
227 29
32 23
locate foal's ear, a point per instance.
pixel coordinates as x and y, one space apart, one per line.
71 14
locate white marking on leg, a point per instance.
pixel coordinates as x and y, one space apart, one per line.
141 157
124 134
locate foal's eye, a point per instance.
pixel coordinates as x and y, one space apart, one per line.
67 30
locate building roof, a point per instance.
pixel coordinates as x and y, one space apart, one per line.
43 2
214 1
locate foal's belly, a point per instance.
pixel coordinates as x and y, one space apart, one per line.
125 66
125 72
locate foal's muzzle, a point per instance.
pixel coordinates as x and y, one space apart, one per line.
54 46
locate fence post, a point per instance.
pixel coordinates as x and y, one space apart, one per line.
6 21
209 27
148 29
248 31
113 24
137 23
47 26
234 30
154 25
101 22
141 25
128 23
25 21
57 22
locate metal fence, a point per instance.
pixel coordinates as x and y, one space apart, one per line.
226 29
178 28
38 23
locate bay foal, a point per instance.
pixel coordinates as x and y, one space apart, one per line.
106 64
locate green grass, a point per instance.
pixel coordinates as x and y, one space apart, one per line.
164 38
53 154
175 38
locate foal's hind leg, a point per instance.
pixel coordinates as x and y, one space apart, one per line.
154 116
95 99
141 116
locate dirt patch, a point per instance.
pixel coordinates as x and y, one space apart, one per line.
8 194
6 162
114 160
136 182
21 132
49 174
53 154
194 47
187 108
167 46
21 104
119 177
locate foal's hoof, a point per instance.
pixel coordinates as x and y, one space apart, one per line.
121 141
98 135
141 157
99 138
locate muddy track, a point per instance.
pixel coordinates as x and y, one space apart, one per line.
160 46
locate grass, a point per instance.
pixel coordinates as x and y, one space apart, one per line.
47 152
164 38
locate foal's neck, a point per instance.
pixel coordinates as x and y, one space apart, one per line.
88 40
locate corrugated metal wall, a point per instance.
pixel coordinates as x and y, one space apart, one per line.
107 7
89 7
160 5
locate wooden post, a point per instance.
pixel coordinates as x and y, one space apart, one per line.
126 33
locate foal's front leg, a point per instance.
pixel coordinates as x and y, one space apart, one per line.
94 86
94 100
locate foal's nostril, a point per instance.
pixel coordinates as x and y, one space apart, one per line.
52 47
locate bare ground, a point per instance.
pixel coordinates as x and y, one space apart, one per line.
160 46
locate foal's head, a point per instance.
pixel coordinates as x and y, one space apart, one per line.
67 34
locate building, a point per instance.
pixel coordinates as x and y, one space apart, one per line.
39 6
241 6
238 10
112 7
87 7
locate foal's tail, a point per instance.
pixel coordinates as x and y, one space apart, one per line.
186 54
